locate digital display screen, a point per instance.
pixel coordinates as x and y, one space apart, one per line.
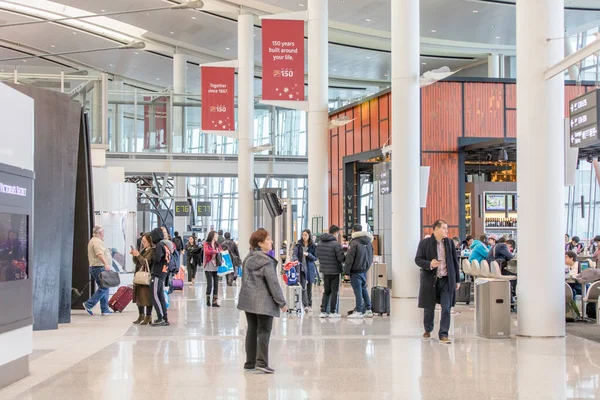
14 247
495 202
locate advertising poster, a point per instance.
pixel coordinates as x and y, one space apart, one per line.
155 123
217 99
283 60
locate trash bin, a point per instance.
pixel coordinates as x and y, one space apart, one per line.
492 308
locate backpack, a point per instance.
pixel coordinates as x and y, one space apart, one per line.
291 273
171 257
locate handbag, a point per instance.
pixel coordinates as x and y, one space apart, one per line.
142 277
218 259
227 266
109 279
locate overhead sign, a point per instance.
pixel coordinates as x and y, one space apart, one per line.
182 209
385 181
283 60
217 99
583 120
204 209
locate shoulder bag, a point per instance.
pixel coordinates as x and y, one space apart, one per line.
109 279
142 277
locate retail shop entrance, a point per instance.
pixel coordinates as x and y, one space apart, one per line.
488 187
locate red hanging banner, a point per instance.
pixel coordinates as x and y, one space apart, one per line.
217 99
282 59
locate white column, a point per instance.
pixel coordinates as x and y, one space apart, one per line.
179 87
540 168
318 111
180 223
246 130
493 66
406 147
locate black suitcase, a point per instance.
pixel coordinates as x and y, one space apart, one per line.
464 293
380 299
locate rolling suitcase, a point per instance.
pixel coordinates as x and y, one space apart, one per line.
293 299
121 299
464 293
177 284
380 300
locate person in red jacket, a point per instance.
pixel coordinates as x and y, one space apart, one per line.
211 248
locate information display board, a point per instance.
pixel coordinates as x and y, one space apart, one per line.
583 120
182 209
204 209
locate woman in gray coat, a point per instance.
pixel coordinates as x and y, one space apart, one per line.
261 298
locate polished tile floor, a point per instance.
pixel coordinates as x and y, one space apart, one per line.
200 356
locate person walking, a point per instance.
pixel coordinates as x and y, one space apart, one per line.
261 298
192 251
211 249
236 260
160 270
331 259
100 259
306 253
220 237
142 295
440 278
358 261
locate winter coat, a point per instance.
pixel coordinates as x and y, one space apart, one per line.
501 254
234 252
209 256
427 252
360 253
193 252
159 259
310 269
260 292
142 295
479 251
330 254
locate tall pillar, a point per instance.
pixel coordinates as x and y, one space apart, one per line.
406 147
180 223
246 130
493 66
179 87
540 168
318 111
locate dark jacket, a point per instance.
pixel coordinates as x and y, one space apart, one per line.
260 292
310 269
159 260
178 243
193 254
330 254
234 252
427 252
360 253
220 239
501 254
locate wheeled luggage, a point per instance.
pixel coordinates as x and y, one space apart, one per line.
121 299
177 284
293 299
380 300
464 293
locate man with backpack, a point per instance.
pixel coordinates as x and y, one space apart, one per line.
234 252
358 262
331 258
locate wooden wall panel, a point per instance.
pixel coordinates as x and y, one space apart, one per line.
366 138
442 197
484 110
349 140
334 204
384 107
357 135
384 132
334 154
511 123
511 95
364 114
572 92
340 219
374 121
441 112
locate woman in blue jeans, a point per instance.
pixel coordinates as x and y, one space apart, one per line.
100 259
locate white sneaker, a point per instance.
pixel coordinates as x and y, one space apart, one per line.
369 314
335 315
323 315
356 315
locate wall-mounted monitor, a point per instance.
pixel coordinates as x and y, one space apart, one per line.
495 202
14 247
273 204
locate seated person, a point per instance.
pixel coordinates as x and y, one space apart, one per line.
574 245
502 253
492 240
572 270
479 251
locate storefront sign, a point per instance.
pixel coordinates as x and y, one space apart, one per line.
583 120
217 99
182 209
385 181
350 213
13 190
204 209
283 60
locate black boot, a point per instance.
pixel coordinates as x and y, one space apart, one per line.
215 302
208 300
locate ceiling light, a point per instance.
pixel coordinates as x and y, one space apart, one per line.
368 20
335 69
110 65
300 5
193 17
136 53
172 33
74 33
493 26
103 10
52 45
424 63
497 37
368 58
24 60
147 13
227 48
475 11
433 31
158 79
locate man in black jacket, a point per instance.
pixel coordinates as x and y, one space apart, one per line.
440 278
358 262
331 260
234 252
502 254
